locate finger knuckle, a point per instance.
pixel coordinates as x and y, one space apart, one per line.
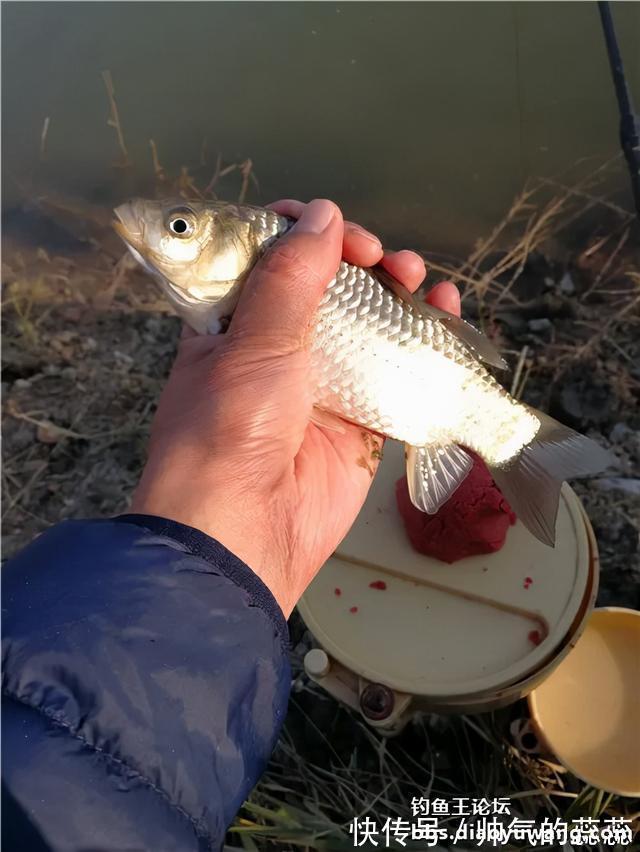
286 259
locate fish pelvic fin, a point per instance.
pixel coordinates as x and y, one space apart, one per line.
531 481
434 472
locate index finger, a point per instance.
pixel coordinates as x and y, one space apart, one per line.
362 248
445 296
359 246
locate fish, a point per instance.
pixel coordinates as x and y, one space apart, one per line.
378 358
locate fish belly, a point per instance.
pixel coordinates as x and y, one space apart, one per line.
379 363
373 365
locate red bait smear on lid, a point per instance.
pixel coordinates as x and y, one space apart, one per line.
534 637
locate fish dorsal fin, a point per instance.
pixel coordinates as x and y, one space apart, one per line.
476 341
482 347
434 472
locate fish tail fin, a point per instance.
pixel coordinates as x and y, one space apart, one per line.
531 482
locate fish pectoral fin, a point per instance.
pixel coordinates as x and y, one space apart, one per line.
328 421
434 472
480 345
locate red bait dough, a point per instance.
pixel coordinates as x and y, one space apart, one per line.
474 520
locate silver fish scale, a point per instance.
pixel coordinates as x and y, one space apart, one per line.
367 340
265 223
357 318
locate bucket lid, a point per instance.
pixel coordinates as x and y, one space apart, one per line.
588 709
418 625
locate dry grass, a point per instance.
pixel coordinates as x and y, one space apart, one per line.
538 216
114 120
542 222
323 775
185 185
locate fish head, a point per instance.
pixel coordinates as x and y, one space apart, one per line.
199 252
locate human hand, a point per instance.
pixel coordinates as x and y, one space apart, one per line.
233 451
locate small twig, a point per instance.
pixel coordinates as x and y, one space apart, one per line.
14 411
114 118
159 172
25 488
602 333
525 378
43 137
121 269
484 246
186 186
216 175
518 372
594 199
619 350
595 247
245 171
607 264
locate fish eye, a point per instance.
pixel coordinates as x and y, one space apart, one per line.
179 226
181 222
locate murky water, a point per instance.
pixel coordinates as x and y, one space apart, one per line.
422 119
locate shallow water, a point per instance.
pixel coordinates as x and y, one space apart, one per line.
422 119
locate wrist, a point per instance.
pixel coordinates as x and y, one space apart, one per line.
222 561
233 516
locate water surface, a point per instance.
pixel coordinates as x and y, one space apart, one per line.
422 119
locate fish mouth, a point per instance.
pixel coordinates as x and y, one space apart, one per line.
127 226
121 230
135 247
131 231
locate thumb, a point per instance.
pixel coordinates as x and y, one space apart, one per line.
285 287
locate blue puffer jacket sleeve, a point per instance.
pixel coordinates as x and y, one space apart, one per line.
145 682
